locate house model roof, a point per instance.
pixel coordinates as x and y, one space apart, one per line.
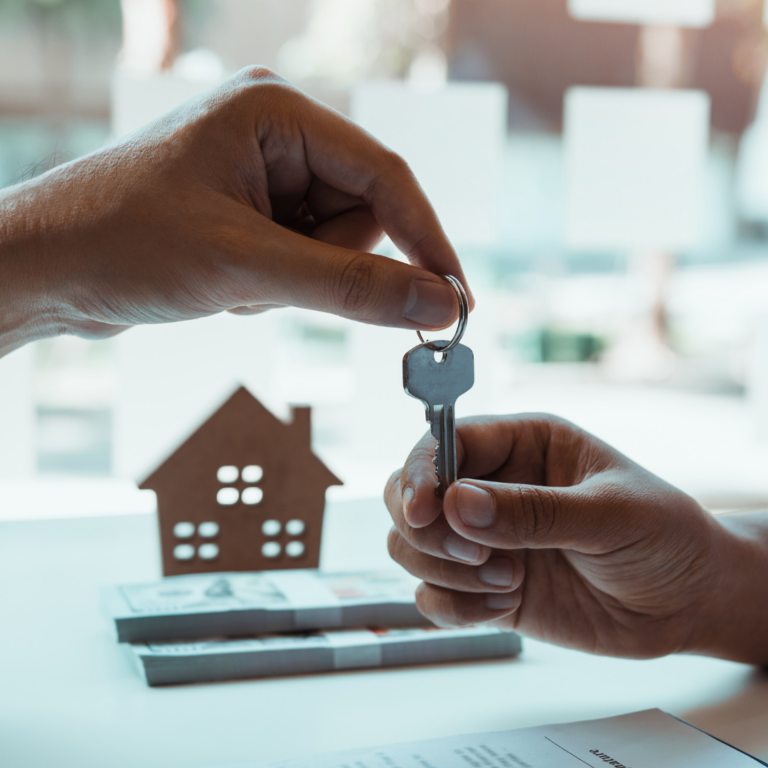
238 432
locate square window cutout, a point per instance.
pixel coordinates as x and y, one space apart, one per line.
227 496
271 549
183 530
208 551
227 474
252 495
208 530
294 549
252 473
184 552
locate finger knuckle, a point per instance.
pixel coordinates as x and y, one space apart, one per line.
545 416
392 482
458 612
419 539
357 286
390 165
444 607
257 73
423 603
395 545
396 163
535 512
266 87
425 448
444 572
437 605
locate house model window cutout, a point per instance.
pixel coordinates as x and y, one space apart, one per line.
243 493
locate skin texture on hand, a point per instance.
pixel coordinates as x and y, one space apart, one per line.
560 537
251 197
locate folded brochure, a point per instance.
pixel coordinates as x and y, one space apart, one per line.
649 739
240 604
225 659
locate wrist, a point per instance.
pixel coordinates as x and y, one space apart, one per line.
731 621
27 309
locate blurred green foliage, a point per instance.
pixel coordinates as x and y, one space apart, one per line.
85 14
72 13
30 147
550 345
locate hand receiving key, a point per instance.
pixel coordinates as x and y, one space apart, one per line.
438 373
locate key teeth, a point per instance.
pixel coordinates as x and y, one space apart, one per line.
439 490
437 461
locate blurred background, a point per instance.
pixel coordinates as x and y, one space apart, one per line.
601 165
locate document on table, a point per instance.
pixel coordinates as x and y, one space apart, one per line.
650 739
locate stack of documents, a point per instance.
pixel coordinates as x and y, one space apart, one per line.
224 626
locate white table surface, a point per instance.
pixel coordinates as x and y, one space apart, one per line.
69 696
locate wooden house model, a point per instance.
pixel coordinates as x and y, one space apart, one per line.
243 493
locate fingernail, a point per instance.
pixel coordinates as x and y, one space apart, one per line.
475 506
458 547
407 499
431 303
501 601
498 572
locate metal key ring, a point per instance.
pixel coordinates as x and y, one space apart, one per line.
463 317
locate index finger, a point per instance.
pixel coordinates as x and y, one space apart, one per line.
418 481
416 549
483 444
345 156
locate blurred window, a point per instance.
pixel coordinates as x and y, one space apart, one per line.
619 333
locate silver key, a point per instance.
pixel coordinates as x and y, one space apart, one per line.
438 385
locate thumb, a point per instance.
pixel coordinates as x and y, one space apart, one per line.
304 272
517 516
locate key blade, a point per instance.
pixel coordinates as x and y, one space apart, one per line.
444 429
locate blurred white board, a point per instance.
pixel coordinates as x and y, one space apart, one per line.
174 375
752 163
454 139
140 97
635 163
679 13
